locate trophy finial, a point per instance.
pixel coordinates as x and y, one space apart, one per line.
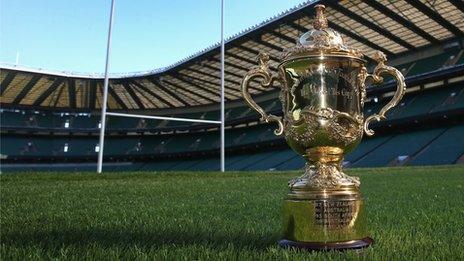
320 40
320 22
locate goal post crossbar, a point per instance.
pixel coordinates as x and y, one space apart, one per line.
129 115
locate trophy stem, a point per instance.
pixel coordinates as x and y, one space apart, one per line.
323 171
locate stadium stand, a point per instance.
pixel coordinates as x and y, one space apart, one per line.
46 126
445 149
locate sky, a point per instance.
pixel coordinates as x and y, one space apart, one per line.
70 35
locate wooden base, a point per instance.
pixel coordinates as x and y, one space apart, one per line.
317 246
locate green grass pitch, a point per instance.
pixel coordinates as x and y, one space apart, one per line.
414 213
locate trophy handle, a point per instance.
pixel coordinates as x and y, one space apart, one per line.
381 68
262 71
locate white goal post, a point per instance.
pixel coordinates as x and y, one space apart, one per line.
104 113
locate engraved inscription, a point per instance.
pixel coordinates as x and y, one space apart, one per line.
311 89
335 214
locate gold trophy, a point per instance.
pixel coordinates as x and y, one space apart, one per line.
322 94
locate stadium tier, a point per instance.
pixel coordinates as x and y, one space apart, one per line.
51 120
168 149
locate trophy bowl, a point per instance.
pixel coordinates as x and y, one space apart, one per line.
322 94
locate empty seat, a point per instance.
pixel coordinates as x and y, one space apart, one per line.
407 144
446 149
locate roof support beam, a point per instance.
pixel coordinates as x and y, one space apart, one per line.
189 91
251 62
116 97
459 4
217 77
199 79
148 99
92 94
26 89
214 83
268 45
152 93
52 88
230 64
231 73
134 96
352 15
436 17
248 49
219 69
255 52
405 22
6 81
156 82
57 97
281 36
208 90
72 93
211 75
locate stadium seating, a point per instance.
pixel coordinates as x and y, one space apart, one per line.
453 100
410 148
273 160
425 102
432 63
428 101
366 146
406 145
421 147
376 151
446 149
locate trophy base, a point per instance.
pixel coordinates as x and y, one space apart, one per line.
325 219
318 246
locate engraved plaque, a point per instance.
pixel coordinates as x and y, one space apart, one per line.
335 214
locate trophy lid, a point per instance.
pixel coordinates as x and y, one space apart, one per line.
320 41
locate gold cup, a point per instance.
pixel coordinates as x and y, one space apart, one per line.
322 93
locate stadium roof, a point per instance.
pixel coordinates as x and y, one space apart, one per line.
394 27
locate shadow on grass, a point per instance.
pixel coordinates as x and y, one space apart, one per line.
104 238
